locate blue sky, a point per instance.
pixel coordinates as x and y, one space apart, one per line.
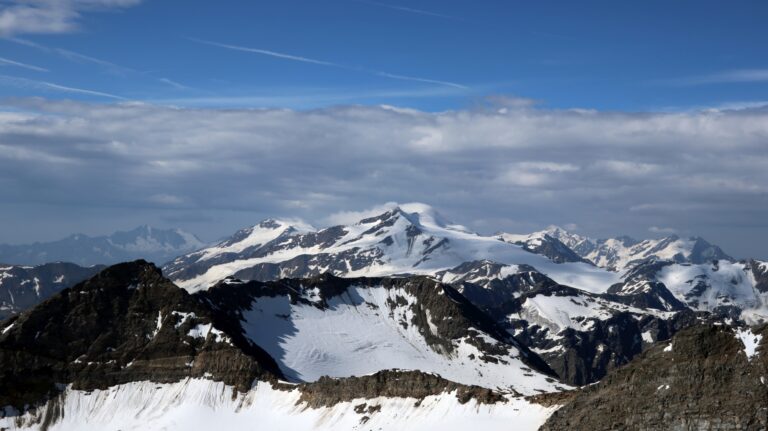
643 118
607 55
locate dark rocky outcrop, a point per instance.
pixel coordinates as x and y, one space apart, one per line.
127 323
390 383
702 379
584 357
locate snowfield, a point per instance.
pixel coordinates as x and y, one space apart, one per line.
558 313
198 404
706 286
360 333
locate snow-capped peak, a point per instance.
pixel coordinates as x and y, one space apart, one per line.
256 236
619 253
402 239
563 235
418 214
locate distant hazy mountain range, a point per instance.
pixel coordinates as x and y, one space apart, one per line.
144 242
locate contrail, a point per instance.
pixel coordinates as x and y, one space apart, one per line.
285 56
22 82
23 65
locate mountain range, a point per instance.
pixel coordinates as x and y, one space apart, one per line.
400 320
143 242
623 253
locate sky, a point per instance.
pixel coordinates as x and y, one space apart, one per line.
611 118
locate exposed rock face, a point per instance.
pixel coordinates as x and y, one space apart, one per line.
22 287
641 289
582 357
126 324
390 383
708 377
493 286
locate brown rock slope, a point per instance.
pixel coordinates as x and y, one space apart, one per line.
702 380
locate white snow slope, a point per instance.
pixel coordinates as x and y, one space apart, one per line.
198 404
361 333
706 286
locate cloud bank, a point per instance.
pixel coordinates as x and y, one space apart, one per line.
516 168
50 16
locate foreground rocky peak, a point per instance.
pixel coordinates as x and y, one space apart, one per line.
707 377
127 323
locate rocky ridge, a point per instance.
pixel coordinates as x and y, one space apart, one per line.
707 377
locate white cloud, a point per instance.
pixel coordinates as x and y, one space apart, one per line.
702 170
627 169
166 199
724 77
666 230
50 16
548 166
348 217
